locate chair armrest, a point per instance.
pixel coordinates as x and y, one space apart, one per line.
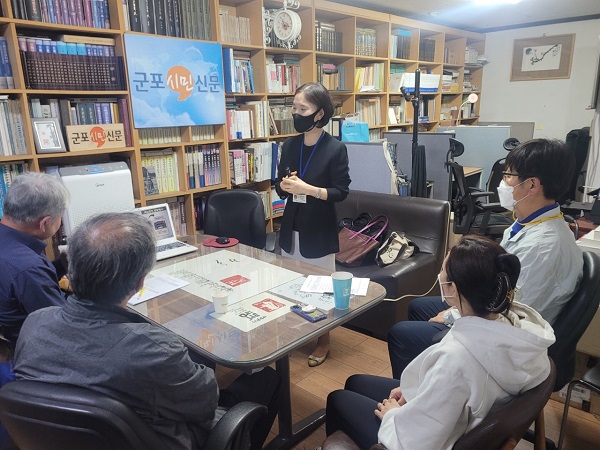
239 419
481 194
271 239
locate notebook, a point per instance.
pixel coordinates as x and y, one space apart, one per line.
167 244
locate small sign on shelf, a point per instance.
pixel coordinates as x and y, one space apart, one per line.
95 136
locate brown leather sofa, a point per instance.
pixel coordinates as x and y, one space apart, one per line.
426 222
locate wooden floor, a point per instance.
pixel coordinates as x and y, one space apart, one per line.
352 352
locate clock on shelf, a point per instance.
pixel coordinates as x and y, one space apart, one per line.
282 27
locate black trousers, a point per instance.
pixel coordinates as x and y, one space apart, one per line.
407 339
352 409
260 387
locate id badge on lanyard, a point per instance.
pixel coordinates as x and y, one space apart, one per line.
299 198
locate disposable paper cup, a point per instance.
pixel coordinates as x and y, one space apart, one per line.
220 301
342 284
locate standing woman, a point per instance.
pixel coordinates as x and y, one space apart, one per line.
313 173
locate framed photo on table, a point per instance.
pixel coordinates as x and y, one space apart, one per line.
542 58
48 136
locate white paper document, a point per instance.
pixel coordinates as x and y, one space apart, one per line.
320 284
155 286
293 290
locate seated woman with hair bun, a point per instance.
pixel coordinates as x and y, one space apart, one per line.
497 349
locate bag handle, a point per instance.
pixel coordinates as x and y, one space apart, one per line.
377 219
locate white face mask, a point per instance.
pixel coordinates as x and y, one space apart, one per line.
444 297
505 194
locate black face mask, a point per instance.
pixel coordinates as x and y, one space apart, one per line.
303 124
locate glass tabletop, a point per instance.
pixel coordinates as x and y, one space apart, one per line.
259 327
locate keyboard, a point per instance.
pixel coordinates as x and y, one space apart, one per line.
162 248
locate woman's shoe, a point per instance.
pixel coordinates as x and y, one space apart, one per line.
314 361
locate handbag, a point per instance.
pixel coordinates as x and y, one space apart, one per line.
396 246
355 131
356 245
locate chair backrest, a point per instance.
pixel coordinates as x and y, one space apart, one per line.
462 203
574 319
511 420
494 179
237 213
579 143
44 416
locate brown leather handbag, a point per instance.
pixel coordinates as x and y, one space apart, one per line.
356 245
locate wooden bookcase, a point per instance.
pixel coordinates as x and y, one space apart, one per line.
448 55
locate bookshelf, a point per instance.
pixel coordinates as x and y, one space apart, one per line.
337 43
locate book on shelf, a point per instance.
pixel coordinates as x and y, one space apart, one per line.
369 110
203 165
253 163
369 77
6 75
178 18
162 174
366 42
331 76
238 75
153 136
83 13
12 136
400 44
327 38
8 172
234 29
280 116
283 73
426 49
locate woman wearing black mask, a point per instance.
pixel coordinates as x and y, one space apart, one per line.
312 174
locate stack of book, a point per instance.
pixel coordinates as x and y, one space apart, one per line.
179 18
400 44
160 171
68 44
153 136
235 30
397 110
203 165
331 76
12 137
426 49
426 110
280 116
370 77
81 13
450 82
256 162
237 71
283 73
327 39
366 42
277 204
203 133
369 110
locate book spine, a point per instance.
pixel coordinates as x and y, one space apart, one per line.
87 13
33 10
176 17
105 113
124 114
170 17
105 14
134 15
159 12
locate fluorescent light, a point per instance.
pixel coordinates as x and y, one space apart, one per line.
495 2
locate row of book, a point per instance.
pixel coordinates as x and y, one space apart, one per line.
237 71
400 44
266 201
160 171
12 136
47 45
179 18
397 110
426 49
283 74
369 77
366 42
82 13
277 204
172 135
73 72
248 120
280 116
234 29
177 208
6 75
369 110
450 82
8 172
327 38
256 162
426 110
331 76
202 165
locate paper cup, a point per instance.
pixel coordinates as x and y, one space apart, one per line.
220 301
342 284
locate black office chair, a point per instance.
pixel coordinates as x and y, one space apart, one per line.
45 416
470 214
572 322
579 143
238 213
497 172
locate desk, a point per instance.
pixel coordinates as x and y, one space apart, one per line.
473 176
271 342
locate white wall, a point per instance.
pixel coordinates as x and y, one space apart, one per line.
556 106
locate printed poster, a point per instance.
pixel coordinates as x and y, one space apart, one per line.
174 82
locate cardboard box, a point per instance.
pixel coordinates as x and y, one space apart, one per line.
581 397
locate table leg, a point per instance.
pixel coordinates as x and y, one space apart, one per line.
290 434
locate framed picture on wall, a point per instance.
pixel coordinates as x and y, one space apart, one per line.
542 58
48 136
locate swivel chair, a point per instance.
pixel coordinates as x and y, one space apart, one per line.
238 213
501 429
497 172
46 416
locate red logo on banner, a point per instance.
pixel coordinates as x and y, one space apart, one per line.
235 280
268 305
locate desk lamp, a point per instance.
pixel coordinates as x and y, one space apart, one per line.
472 98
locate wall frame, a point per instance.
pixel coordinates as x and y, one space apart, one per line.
48 135
542 58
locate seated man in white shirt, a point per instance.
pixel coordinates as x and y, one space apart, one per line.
537 173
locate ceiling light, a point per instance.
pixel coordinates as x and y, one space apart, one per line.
495 2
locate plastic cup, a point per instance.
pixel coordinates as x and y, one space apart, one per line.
342 284
220 301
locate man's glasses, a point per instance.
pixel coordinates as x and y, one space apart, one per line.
506 175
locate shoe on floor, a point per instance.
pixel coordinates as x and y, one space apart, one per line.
314 361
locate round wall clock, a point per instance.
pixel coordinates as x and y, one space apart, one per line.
287 25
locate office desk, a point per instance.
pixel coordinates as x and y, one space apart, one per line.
473 176
270 342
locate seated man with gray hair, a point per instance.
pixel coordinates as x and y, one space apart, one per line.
94 341
33 209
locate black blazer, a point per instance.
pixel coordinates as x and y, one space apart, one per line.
316 220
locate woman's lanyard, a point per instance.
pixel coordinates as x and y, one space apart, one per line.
301 170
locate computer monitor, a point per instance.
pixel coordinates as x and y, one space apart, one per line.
95 189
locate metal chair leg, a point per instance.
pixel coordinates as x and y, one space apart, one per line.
563 424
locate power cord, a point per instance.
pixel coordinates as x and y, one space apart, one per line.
418 295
